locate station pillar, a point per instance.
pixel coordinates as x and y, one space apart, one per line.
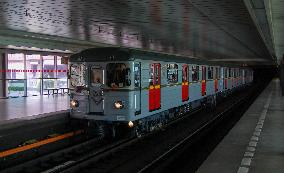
2 75
281 75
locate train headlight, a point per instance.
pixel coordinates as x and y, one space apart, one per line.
74 103
130 124
118 105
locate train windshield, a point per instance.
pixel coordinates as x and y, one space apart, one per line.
77 75
118 75
96 76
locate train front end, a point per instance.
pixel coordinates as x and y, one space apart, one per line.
103 92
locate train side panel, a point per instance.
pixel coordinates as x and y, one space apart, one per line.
137 101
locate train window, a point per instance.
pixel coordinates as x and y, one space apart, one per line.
185 73
118 75
77 74
216 74
172 73
151 71
96 76
226 72
157 74
203 73
137 75
195 73
210 72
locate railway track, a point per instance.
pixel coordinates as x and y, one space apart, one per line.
67 158
76 155
67 165
62 159
176 158
103 153
188 139
142 155
128 156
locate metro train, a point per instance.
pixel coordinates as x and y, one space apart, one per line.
144 90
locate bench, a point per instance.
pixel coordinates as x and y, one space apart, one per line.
63 90
54 90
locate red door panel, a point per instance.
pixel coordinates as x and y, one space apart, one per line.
151 98
152 89
203 82
155 87
216 85
226 83
158 86
157 97
203 87
184 89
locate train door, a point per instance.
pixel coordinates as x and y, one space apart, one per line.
245 75
137 85
185 82
225 78
221 82
96 100
233 78
237 77
240 76
155 87
203 82
216 77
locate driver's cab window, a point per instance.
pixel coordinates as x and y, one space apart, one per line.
96 76
118 75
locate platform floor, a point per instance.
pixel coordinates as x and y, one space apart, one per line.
256 142
31 107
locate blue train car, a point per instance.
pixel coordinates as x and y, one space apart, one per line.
144 89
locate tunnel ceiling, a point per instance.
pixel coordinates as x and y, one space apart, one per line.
218 30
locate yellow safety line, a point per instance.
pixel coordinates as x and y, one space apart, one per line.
38 144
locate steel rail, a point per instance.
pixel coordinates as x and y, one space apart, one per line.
190 136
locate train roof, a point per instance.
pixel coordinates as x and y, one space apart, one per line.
125 54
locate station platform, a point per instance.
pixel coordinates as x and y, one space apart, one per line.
256 142
27 108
